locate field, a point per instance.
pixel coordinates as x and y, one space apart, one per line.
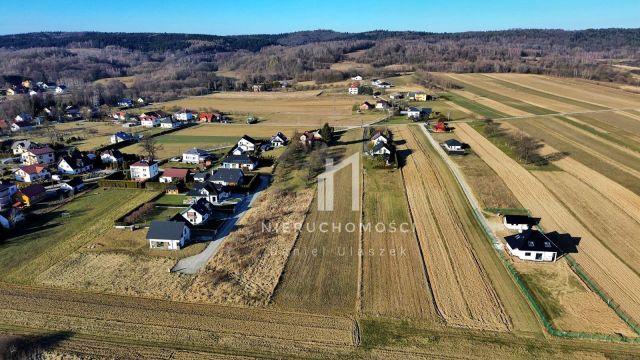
301 108
54 236
210 136
607 269
321 274
462 289
394 277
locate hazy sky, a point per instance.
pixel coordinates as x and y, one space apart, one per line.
277 16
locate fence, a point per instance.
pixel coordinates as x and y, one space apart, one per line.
490 236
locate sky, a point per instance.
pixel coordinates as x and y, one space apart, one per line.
278 16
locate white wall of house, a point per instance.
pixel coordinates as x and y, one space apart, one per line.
195 217
533 255
516 227
29 158
353 91
246 145
191 158
164 244
144 172
150 122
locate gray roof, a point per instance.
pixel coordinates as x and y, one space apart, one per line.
201 175
533 240
202 206
165 230
227 175
452 142
196 151
379 145
23 143
209 187
240 159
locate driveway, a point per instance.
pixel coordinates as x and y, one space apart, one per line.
193 264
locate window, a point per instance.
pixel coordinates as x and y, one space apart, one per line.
527 254
538 256
531 244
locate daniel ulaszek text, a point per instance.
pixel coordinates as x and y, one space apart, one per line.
327 227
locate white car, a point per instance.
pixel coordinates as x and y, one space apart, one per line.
176 159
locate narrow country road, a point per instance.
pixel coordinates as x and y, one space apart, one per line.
193 264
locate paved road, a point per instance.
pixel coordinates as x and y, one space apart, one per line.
193 264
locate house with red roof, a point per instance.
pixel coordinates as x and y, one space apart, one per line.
173 175
38 155
31 173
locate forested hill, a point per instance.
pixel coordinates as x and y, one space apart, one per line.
594 39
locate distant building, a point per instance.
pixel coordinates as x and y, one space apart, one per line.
76 164
195 156
184 115
42 155
357 78
353 89
243 161
519 223
31 173
171 175
143 170
533 245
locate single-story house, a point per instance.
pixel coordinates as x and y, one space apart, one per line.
170 235
211 192
199 212
453 146
40 155
32 194
121 136
184 115
413 112
111 157
172 189
76 164
279 140
171 175
31 173
60 89
201 176
533 245
247 143
143 170
396 96
420 96
357 78
519 222
378 136
366 106
382 105
74 185
195 156
23 117
382 148
168 123
227 177
243 161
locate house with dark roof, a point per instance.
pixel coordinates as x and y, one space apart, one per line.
199 212
21 146
243 161
279 140
169 235
32 194
111 156
201 177
454 147
125 103
21 126
172 175
247 143
209 191
195 156
38 155
533 245
227 177
382 148
74 185
76 164
121 136
378 136
519 223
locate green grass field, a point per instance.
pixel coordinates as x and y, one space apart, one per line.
473 106
51 237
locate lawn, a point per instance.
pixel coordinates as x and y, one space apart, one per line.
170 200
51 237
161 213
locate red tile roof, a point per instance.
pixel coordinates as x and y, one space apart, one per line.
32 169
176 173
41 151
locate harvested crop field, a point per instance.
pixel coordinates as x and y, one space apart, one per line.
608 271
462 289
575 89
490 103
154 322
394 275
300 108
620 164
567 301
621 123
321 274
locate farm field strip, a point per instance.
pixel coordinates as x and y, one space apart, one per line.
583 91
463 292
394 284
140 320
321 273
617 121
608 271
475 85
555 102
600 137
492 104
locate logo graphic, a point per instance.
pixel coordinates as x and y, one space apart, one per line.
326 184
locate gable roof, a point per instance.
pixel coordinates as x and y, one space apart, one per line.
196 151
202 206
201 175
227 175
33 190
208 186
21 143
533 240
178 173
381 144
144 163
113 152
32 169
240 159
249 139
521 219
76 181
280 136
165 230
453 142
41 151
76 161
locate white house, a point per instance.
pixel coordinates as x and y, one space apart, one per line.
43 155
379 137
121 136
384 85
184 115
74 185
519 223
31 173
73 165
279 140
533 245
376 82
199 212
247 143
243 161
60 89
453 146
23 117
381 148
353 90
413 112
150 122
169 235
111 156
20 146
357 78
21 126
194 156
382 105
143 170
7 190
209 191
168 123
